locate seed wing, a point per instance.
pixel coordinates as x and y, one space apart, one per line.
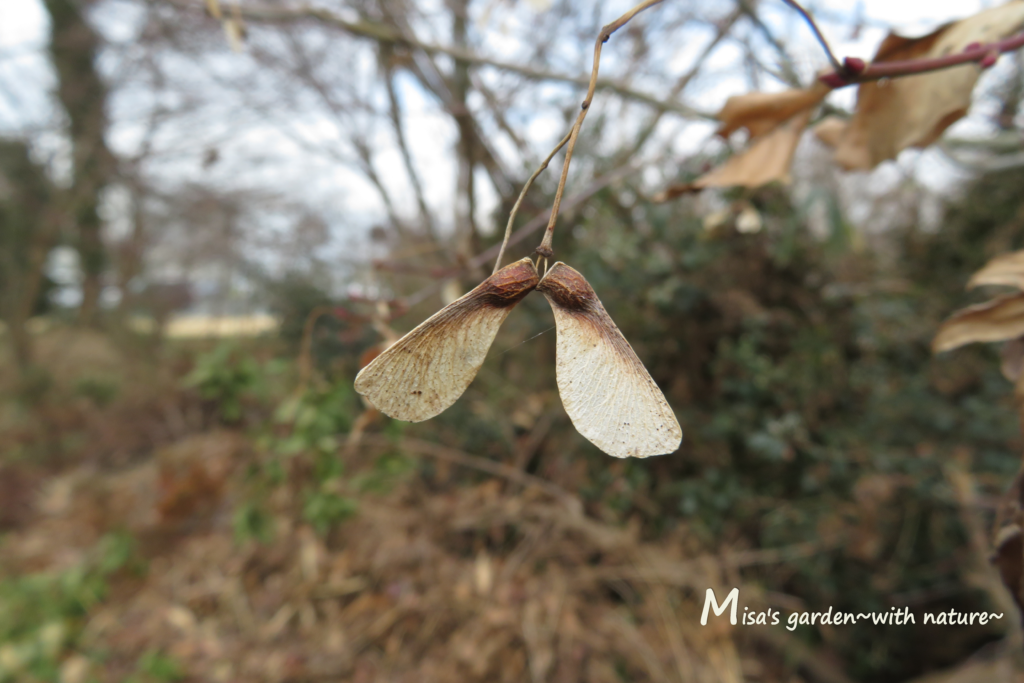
425 372
607 392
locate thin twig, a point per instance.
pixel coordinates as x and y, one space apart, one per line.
526 187
385 33
497 108
817 34
648 129
788 74
523 232
545 246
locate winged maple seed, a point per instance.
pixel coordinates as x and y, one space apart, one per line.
607 392
426 371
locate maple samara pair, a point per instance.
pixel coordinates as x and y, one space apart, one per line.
607 392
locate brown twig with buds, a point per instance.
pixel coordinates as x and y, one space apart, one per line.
856 71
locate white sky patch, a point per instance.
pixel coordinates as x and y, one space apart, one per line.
24 32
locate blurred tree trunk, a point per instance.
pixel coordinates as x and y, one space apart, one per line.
130 253
27 233
73 47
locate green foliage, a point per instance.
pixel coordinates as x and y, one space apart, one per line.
252 522
323 509
388 470
231 378
307 428
41 614
315 419
156 667
324 503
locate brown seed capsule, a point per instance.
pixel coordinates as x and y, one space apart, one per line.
607 392
426 371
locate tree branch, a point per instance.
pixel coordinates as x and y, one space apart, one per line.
387 34
817 33
395 113
983 55
722 31
788 75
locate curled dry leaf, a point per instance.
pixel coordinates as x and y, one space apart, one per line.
768 157
775 122
426 371
1007 269
606 390
993 321
913 111
761 112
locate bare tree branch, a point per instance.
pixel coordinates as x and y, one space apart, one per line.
387 34
414 177
817 33
984 55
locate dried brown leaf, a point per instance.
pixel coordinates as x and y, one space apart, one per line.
761 112
606 390
767 159
427 370
913 111
775 122
1007 269
993 321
